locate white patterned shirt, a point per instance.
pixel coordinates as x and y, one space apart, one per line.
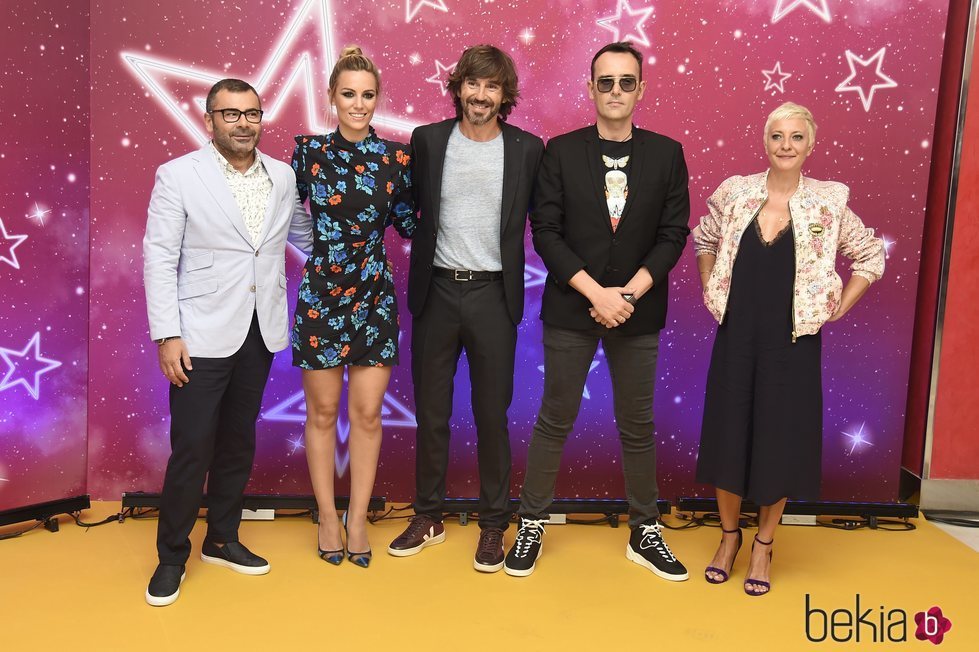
251 191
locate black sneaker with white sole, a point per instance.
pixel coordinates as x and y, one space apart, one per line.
235 556
164 587
526 550
648 549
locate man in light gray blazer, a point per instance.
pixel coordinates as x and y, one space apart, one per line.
214 272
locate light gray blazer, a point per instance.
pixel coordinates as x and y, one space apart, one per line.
203 277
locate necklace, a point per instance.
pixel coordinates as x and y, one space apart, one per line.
780 218
612 140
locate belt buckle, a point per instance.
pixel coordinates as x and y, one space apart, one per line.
456 275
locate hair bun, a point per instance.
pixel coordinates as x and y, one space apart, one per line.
351 51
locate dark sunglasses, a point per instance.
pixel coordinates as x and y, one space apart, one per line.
626 84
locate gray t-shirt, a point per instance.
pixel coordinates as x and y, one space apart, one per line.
472 198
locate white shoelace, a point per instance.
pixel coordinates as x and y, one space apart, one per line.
530 532
652 538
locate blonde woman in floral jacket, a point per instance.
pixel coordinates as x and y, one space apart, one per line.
766 252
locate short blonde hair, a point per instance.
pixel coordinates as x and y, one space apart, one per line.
791 111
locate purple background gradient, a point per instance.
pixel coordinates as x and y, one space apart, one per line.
44 164
151 66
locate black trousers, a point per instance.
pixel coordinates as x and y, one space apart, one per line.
212 437
473 316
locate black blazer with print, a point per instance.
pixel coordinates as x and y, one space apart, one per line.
572 230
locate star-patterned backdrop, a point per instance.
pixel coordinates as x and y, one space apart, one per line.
44 235
868 69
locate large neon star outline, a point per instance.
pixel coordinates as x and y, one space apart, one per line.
293 410
533 276
144 67
46 365
782 10
776 72
866 98
411 12
9 256
611 23
441 74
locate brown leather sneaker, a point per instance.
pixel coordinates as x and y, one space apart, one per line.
489 551
421 531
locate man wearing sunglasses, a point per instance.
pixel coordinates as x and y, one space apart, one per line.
609 222
214 272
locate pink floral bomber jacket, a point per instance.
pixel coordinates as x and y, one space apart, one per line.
821 225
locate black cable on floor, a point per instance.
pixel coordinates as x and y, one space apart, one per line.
374 518
13 535
852 523
299 514
600 520
708 519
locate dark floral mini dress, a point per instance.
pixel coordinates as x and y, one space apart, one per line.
347 311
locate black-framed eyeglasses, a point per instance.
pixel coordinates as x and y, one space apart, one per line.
626 84
234 115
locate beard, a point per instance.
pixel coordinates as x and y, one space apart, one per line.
478 120
227 142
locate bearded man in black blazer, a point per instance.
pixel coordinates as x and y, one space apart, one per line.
473 177
610 222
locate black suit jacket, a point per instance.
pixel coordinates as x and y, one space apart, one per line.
522 153
572 230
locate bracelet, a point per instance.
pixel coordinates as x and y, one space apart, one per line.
164 340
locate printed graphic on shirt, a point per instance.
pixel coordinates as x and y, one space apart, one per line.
616 188
615 157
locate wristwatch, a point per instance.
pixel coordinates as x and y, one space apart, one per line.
164 340
630 298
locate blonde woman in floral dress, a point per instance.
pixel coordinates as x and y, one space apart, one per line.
346 318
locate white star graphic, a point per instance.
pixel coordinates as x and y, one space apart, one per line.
7 254
20 367
295 444
866 97
857 438
442 73
770 82
275 78
637 33
888 245
410 10
584 392
415 59
785 7
527 36
39 213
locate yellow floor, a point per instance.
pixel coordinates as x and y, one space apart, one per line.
83 590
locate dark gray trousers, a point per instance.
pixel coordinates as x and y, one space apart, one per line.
632 366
